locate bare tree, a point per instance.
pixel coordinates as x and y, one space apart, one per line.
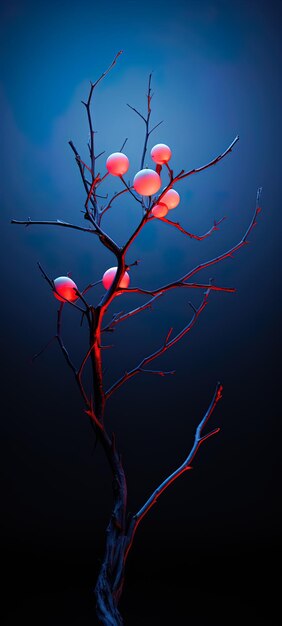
123 525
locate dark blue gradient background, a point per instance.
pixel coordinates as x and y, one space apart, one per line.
203 556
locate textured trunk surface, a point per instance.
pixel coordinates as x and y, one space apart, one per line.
106 606
109 585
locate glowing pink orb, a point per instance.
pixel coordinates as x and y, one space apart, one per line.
109 276
147 182
161 153
117 164
171 198
65 287
160 209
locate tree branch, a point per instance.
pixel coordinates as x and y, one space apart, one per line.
184 174
138 112
108 206
182 281
60 341
118 317
146 120
158 372
214 161
130 190
91 285
61 223
154 128
186 465
76 373
168 343
231 251
38 354
175 285
122 146
185 232
81 171
88 105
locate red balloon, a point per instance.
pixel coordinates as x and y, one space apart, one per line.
160 210
171 198
117 164
65 287
161 153
109 276
146 182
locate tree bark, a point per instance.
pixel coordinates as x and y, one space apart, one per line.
110 580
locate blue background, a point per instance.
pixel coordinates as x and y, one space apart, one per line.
203 555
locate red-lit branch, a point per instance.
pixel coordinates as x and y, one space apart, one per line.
214 161
231 251
175 285
197 170
186 465
91 285
185 232
181 175
120 317
115 196
168 343
228 254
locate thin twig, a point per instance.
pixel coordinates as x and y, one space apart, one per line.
154 128
91 285
115 196
138 112
146 120
81 171
130 190
89 117
185 232
214 161
121 149
60 341
196 170
38 354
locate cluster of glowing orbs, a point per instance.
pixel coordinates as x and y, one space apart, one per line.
161 153
147 182
109 276
171 198
65 287
117 164
160 210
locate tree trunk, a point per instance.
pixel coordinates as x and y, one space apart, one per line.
109 585
110 579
